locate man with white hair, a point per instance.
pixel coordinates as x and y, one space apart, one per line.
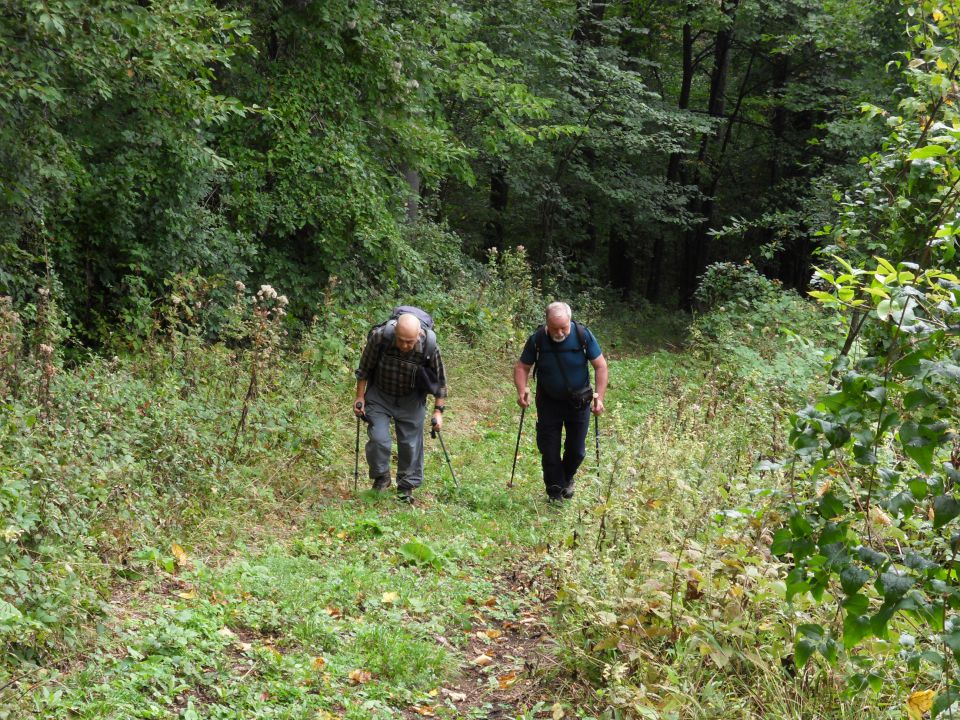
387 389
559 353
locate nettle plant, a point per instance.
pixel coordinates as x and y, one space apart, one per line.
880 534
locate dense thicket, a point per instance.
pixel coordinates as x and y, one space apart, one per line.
292 142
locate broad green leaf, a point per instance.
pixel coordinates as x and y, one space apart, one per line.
894 585
9 614
927 152
803 650
852 578
945 509
943 701
831 506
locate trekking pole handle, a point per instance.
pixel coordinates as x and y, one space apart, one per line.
433 427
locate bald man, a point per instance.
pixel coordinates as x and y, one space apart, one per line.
386 390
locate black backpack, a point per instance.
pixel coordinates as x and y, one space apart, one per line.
426 380
579 397
541 333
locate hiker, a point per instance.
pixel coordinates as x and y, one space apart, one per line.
558 352
391 386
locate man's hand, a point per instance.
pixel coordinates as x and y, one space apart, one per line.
523 399
597 405
436 422
358 408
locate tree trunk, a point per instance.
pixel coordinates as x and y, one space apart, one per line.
499 189
695 239
674 166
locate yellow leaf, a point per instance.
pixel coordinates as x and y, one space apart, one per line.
390 597
424 710
482 660
507 680
318 663
189 595
937 17
493 634
179 554
919 703
558 712
359 677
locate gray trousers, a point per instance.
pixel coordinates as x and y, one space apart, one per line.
407 413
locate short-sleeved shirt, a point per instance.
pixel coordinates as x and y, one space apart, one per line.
395 372
568 352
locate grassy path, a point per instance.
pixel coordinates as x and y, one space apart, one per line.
328 604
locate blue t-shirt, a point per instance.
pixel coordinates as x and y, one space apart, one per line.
568 352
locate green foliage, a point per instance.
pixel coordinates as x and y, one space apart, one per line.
106 159
754 330
876 461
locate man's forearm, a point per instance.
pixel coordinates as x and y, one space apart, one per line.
520 374
600 373
361 389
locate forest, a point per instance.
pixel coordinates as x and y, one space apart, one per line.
752 204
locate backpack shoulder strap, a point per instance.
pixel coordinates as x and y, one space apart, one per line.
582 335
429 344
537 347
387 330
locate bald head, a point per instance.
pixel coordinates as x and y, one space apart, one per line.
407 333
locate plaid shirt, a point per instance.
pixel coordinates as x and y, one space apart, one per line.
394 372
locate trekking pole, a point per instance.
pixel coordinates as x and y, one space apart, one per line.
516 452
435 432
596 433
356 453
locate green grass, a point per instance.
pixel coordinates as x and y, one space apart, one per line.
302 599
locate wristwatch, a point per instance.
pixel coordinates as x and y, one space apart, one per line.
439 408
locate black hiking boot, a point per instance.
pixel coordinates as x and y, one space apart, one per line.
381 482
405 495
567 492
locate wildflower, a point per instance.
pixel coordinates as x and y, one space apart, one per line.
282 299
240 286
46 349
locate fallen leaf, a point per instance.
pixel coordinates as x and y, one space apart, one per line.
189 595
919 702
454 695
180 555
359 677
318 663
341 535
424 710
333 612
507 680
482 660
490 601
390 597
558 711
226 632
493 634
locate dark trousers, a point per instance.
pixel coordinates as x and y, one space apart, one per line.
553 416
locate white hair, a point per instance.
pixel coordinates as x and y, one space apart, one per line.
559 309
